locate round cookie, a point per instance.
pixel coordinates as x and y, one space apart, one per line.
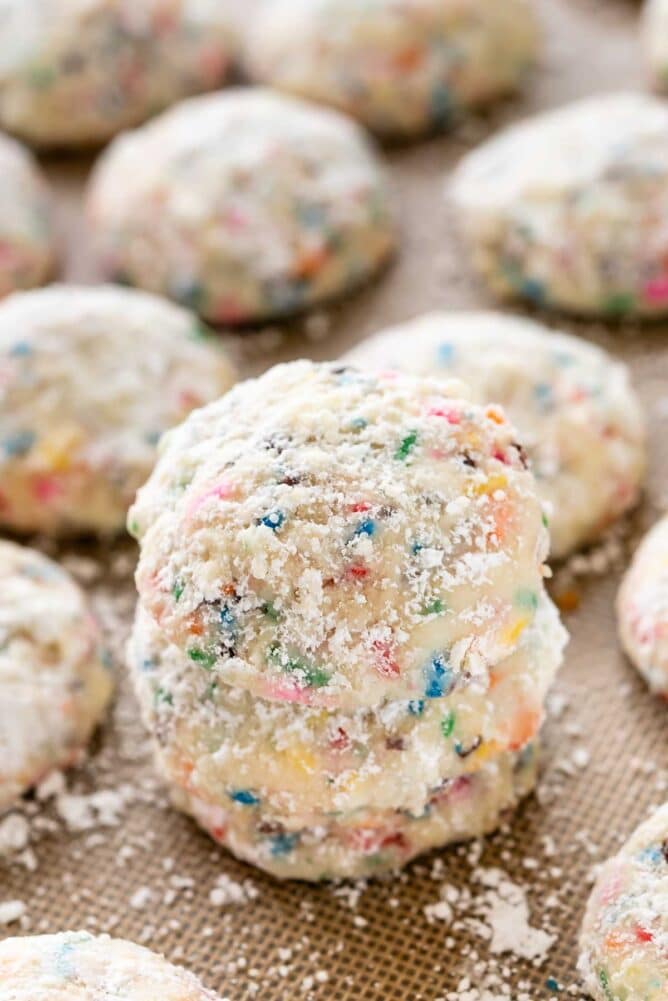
89 380
625 929
567 209
333 538
76 965
642 609
403 67
367 842
655 42
76 72
54 674
244 205
577 414
27 253
224 745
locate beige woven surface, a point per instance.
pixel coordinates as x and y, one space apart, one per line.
284 942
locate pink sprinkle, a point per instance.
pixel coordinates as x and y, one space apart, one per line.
279 691
222 491
451 415
46 488
657 289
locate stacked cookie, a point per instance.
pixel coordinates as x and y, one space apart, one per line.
343 642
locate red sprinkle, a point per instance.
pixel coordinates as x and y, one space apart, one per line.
386 665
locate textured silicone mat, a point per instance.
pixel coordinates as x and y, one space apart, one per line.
142 871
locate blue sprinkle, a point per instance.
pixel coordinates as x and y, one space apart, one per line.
446 353
153 437
358 423
147 664
441 105
228 620
652 854
20 350
534 290
416 548
439 679
244 796
283 844
416 707
552 985
19 443
273 520
366 527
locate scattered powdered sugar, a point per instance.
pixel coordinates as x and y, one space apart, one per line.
227 891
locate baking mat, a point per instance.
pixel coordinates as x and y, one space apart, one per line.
477 923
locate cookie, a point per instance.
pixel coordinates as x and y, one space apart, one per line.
26 229
573 405
625 929
244 206
54 673
86 967
74 73
402 68
89 380
642 609
567 210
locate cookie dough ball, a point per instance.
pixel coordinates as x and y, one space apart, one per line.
245 206
568 209
27 255
371 842
75 73
89 380
625 928
400 66
642 609
577 414
328 537
655 39
86 967
225 746
54 673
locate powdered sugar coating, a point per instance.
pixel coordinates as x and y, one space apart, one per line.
333 538
624 939
642 608
75 72
91 968
54 679
368 843
575 409
89 380
26 230
224 745
403 67
567 209
243 205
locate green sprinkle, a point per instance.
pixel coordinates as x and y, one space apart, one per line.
206 659
42 76
435 608
210 692
546 521
407 445
605 984
178 589
316 677
448 724
269 610
133 528
163 697
619 304
526 598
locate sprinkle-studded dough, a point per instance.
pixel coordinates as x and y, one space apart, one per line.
89 380
333 538
403 67
577 414
26 233
369 842
243 205
655 39
642 608
568 209
54 678
624 939
76 966
226 746
75 72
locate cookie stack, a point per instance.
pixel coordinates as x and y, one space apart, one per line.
343 643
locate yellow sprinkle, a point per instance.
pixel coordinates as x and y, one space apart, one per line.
491 485
298 759
512 634
56 449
